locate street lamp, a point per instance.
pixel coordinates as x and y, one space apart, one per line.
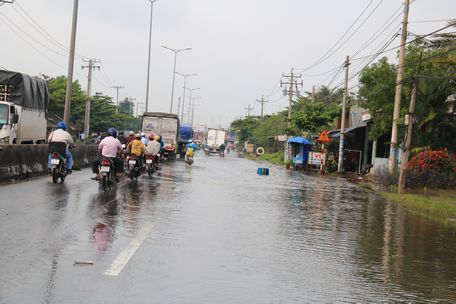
183 97
150 43
189 103
174 72
193 108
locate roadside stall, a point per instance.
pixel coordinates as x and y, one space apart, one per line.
298 149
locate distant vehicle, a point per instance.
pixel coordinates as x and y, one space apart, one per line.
167 126
24 102
185 134
215 137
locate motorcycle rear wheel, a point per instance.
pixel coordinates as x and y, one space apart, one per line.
55 175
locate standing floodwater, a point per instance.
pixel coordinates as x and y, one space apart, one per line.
217 232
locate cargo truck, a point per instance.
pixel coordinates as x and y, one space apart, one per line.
167 126
24 102
215 137
185 134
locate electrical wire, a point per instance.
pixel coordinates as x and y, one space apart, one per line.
42 31
322 58
31 37
330 53
31 45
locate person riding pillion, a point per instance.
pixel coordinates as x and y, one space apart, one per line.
136 148
62 137
108 148
153 146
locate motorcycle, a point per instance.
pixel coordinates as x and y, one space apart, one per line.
58 166
189 160
108 173
133 167
151 165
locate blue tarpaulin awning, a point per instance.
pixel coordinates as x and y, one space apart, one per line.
300 140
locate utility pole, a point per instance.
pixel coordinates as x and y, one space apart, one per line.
193 109
117 87
248 109
392 163
409 133
189 103
69 87
130 100
262 101
340 165
90 67
183 96
150 44
292 82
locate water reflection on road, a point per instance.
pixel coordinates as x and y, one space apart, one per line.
218 233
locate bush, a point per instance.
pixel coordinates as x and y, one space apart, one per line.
431 169
387 179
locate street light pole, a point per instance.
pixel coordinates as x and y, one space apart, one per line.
176 51
183 97
69 87
193 108
189 103
150 44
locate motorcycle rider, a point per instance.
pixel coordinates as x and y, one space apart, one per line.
189 151
137 148
122 138
131 137
144 139
153 147
61 136
109 147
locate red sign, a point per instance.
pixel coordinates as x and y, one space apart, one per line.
323 138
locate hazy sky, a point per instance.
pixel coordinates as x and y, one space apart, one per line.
240 48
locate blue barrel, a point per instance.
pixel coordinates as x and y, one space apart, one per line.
263 171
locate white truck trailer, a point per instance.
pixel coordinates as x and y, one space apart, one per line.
167 126
215 137
23 108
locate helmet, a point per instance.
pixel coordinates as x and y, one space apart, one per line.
157 138
132 133
190 140
112 132
143 134
138 135
151 137
61 125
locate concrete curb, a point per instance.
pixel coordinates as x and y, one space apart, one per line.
23 161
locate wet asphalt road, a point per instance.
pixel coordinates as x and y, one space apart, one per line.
218 233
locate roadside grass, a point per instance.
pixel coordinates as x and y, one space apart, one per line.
274 158
438 205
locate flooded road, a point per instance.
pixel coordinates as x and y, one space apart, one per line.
218 233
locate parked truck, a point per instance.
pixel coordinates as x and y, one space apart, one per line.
24 102
215 137
167 126
185 134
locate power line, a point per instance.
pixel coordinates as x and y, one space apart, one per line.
429 21
31 37
42 31
322 58
330 53
31 45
